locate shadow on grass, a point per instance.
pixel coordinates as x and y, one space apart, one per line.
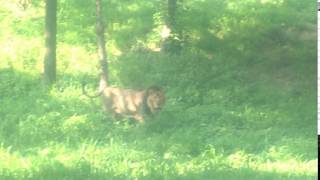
56 170
242 174
84 171
32 115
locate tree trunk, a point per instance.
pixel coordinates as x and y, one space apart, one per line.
102 53
171 19
170 35
50 41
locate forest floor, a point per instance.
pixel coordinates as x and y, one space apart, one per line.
233 115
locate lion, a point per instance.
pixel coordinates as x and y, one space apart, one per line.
130 103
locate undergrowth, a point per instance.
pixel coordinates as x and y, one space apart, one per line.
240 105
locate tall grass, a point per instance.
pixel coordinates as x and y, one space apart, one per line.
241 94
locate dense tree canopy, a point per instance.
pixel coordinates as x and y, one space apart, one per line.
239 78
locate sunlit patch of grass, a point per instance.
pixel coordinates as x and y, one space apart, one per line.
76 59
16 11
263 162
21 54
12 164
121 159
226 117
292 167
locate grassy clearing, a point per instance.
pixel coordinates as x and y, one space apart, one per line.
237 109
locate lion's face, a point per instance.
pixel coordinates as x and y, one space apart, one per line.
155 99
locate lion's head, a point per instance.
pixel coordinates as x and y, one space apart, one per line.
155 98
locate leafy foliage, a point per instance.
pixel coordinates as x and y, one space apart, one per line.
241 94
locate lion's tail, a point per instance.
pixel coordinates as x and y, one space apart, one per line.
102 86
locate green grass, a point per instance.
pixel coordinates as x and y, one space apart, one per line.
236 108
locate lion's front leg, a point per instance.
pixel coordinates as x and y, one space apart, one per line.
139 118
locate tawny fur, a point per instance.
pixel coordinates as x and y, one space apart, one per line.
131 103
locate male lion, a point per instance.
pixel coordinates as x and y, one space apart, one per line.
131 103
